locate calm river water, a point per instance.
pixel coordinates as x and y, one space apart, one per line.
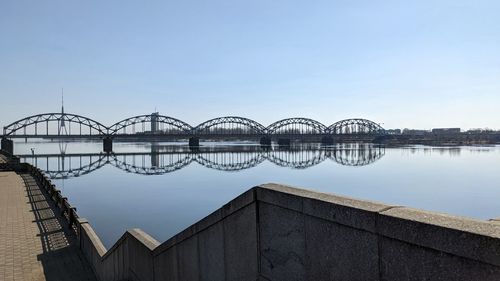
163 188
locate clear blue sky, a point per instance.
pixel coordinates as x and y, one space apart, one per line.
418 64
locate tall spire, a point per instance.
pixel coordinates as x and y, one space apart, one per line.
62 100
62 125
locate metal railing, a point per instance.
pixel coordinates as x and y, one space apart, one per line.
62 204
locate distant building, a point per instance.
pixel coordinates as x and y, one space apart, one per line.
475 131
154 122
393 131
481 131
446 130
415 132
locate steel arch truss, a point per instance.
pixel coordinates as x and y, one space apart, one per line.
355 126
180 126
235 161
80 171
152 170
300 159
60 118
297 126
230 125
352 154
357 155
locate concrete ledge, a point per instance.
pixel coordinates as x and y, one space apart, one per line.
228 209
144 238
136 254
473 239
343 210
89 233
276 232
404 261
284 191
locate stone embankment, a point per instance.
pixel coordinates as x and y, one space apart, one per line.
275 232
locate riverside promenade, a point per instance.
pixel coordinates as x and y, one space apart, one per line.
35 242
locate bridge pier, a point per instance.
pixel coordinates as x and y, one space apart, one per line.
327 140
8 146
284 142
194 142
107 145
266 141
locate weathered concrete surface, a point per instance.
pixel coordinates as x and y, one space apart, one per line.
404 261
211 253
34 241
240 236
166 265
475 240
279 258
187 257
275 232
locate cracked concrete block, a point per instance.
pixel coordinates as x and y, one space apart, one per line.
404 261
282 243
336 253
469 238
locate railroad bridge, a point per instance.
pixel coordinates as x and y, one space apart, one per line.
158 127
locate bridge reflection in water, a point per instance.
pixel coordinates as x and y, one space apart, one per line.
167 159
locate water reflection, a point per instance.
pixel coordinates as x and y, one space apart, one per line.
164 159
457 180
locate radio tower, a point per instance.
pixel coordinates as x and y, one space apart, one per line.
62 126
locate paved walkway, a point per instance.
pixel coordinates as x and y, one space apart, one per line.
35 243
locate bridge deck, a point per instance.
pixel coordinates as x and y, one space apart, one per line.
35 243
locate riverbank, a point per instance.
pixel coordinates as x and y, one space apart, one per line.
440 139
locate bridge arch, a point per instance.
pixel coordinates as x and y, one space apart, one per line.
297 125
153 122
230 161
357 154
61 118
297 159
355 126
64 169
230 125
171 165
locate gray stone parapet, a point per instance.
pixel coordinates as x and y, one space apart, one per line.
276 232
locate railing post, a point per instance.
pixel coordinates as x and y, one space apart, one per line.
71 216
63 206
56 197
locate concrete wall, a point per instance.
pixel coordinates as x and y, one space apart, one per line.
312 236
222 246
274 232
